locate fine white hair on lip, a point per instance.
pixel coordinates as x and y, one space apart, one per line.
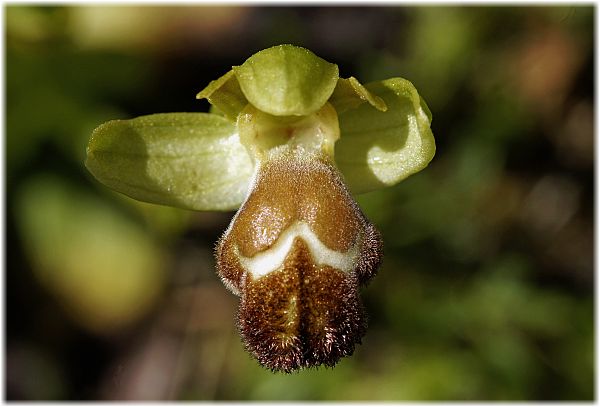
271 259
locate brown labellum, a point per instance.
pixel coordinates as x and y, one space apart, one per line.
296 253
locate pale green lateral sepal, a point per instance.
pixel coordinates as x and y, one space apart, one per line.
188 160
226 95
378 149
286 80
349 94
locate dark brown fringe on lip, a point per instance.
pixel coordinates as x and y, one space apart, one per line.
302 315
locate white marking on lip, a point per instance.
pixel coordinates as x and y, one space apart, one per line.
272 259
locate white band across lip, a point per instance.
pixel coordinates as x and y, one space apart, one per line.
272 258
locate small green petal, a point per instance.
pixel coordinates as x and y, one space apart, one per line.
225 94
378 149
287 81
188 160
349 94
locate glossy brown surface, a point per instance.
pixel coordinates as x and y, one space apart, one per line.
290 189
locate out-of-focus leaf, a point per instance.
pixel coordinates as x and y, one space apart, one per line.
286 80
62 83
164 222
379 149
102 267
188 160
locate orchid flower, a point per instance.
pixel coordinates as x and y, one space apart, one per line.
287 143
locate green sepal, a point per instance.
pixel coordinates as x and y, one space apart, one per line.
226 95
349 94
286 80
379 149
188 160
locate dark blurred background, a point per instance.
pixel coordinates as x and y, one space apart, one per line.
486 292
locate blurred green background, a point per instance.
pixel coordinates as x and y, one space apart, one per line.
486 291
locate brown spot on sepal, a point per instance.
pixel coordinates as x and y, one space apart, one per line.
302 315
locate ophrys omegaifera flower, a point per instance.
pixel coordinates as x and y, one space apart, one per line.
288 143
